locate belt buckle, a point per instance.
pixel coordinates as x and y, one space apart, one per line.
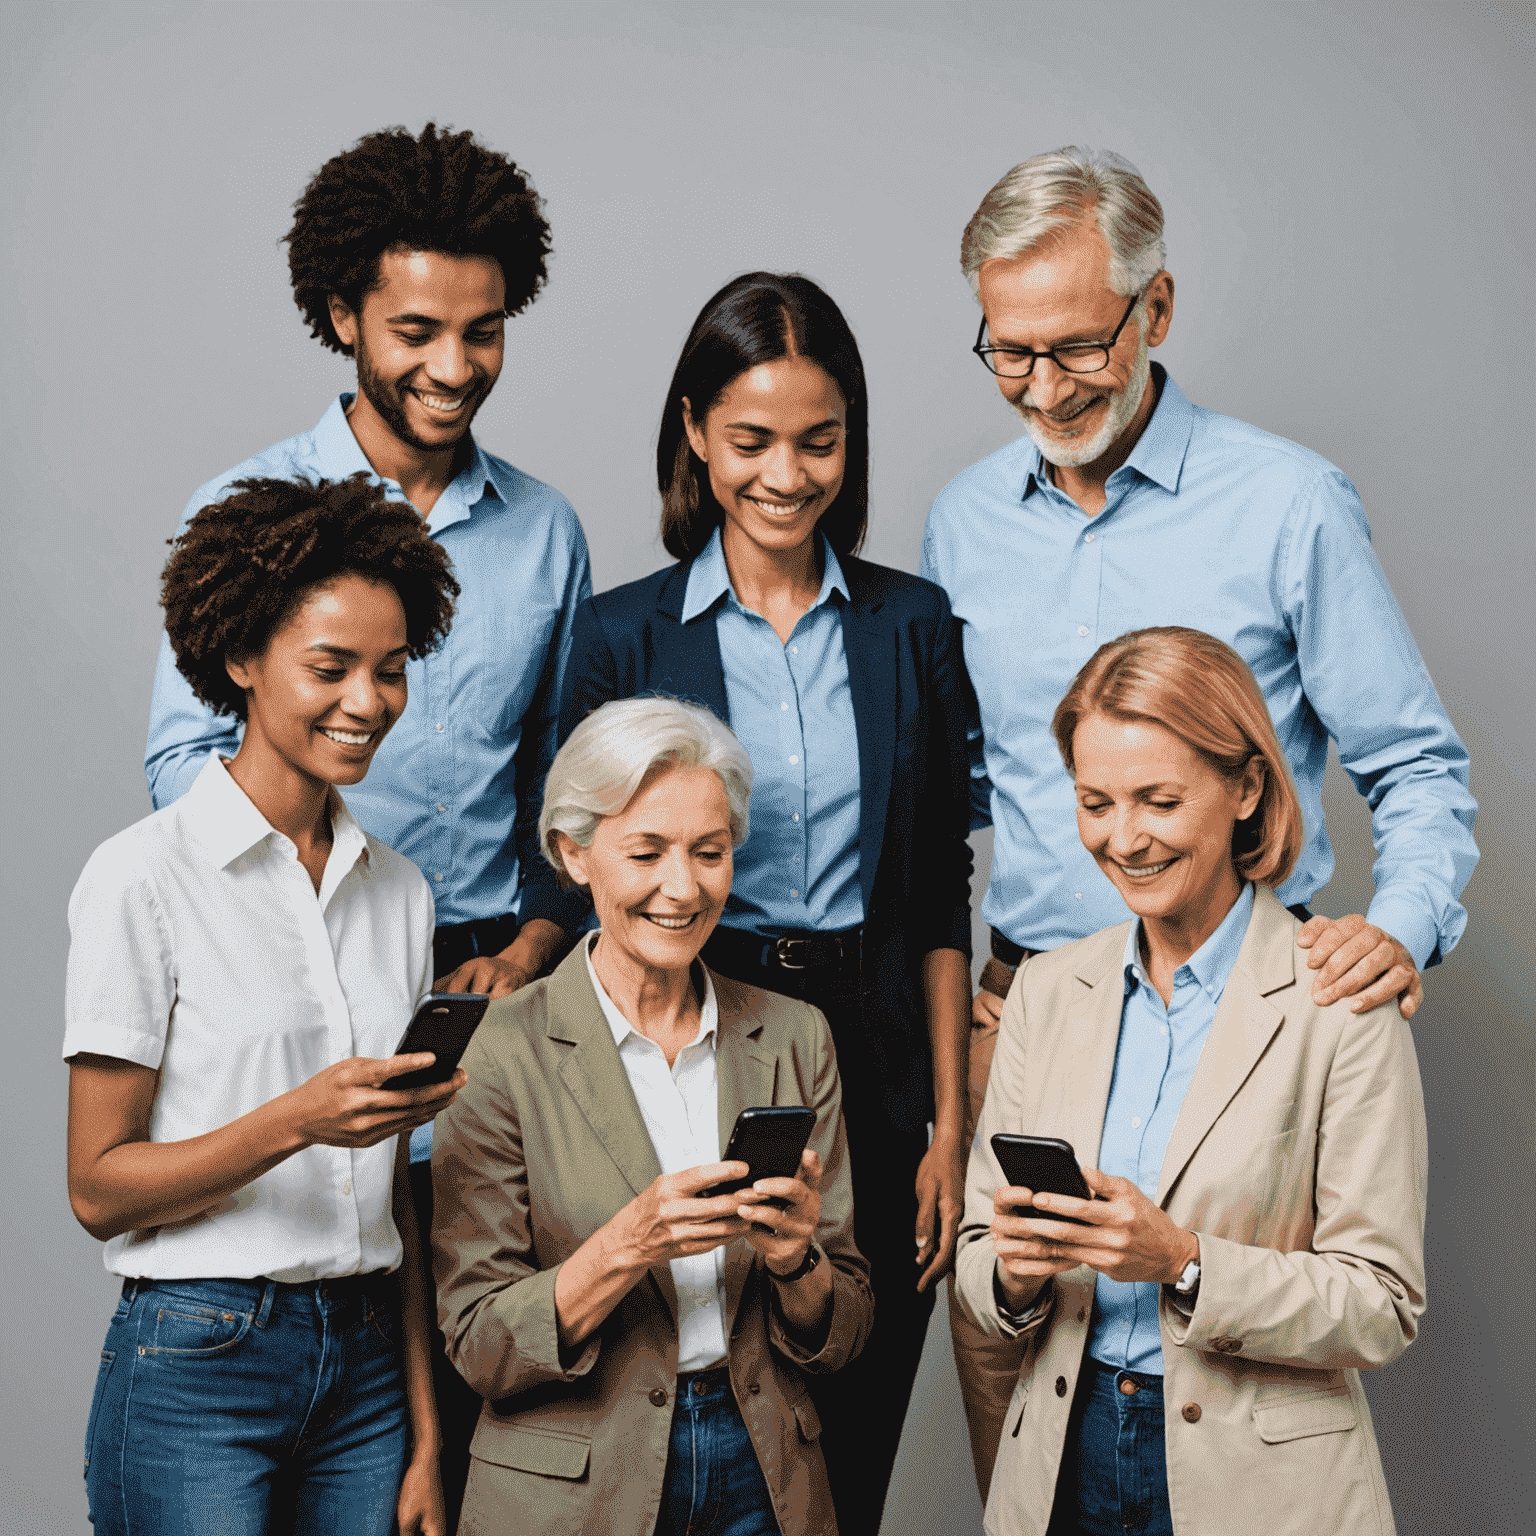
781 953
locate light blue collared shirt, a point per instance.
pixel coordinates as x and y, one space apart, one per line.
792 709
456 785
1154 1064
1213 524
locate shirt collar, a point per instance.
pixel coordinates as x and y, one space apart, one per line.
622 1029
1159 452
338 455
709 579
225 820
1210 965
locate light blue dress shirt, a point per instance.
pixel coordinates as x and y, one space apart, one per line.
1213 524
456 785
792 709
1154 1064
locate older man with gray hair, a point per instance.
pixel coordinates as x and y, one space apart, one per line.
1125 506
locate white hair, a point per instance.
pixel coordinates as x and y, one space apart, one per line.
1049 192
607 757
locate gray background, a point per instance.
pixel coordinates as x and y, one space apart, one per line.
1348 193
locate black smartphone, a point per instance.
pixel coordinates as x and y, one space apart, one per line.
443 1024
769 1140
1042 1163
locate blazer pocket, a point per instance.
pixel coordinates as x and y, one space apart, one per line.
549 1452
808 1420
1313 1413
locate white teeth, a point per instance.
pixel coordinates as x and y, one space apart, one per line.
1145 871
348 738
781 508
669 922
444 403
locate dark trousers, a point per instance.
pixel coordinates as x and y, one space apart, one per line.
458 1404
862 1406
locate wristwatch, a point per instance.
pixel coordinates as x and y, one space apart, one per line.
802 1269
1189 1282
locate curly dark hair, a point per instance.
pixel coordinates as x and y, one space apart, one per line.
759 317
243 564
439 192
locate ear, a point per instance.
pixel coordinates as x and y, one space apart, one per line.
573 856
695 431
239 674
344 319
1159 308
1251 787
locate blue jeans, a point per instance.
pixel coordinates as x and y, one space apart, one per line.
713 1484
1115 1463
242 1407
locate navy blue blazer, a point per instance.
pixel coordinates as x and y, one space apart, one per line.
910 697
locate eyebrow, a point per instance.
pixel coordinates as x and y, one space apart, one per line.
410 317
751 426
344 652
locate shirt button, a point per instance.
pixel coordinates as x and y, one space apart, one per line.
783 705
438 876
439 725
794 893
1135 1122
1082 629
659 1396
794 758
441 806
794 650
795 816
1078 895
346 1188
1088 538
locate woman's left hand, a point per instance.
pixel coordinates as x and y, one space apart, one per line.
793 1228
1127 1237
419 1509
940 1204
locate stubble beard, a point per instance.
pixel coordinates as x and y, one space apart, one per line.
384 396
1123 405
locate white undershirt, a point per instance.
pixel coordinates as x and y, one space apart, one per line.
681 1109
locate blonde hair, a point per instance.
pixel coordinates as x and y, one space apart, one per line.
1199 688
1048 192
608 756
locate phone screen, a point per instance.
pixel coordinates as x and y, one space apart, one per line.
1042 1163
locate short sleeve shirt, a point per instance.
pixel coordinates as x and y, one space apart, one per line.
199 947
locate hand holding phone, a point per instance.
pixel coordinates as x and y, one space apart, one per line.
1042 1163
443 1025
769 1140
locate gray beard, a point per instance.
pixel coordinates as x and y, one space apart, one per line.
1123 405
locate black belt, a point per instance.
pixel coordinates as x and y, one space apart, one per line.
1004 949
338 1288
805 950
454 943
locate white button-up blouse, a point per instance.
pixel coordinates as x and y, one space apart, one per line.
198 947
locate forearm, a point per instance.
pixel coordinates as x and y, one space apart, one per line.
415 1314
592 1282
155 1183
947 998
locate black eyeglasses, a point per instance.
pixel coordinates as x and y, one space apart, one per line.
1074 357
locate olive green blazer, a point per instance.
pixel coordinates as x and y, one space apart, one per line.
1299 1158
542 1146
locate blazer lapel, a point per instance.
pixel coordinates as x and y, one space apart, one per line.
871 651
747 1075
1092 1037
595 1077
1246 1021
687 663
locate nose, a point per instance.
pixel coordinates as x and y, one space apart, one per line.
677 880
360 697
1049 385
1127 834
780 471
447 362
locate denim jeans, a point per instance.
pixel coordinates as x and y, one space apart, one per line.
713 1484
242 1407
1115 1469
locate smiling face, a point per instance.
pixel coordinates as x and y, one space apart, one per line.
1158 819
428 342
329 685
1059 293
775 444
659 870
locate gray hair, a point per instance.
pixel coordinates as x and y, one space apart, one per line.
607 757
1048 192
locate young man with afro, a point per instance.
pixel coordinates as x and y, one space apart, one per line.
407 253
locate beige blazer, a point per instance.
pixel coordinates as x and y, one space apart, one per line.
1299 1158
542 1146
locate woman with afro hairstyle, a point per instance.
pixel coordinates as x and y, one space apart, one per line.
242 965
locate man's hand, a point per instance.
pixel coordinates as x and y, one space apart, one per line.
940 1201
1357 959
986 1008
485 973
419 1508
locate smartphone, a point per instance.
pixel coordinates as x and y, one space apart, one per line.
443 1024
769 1140
1042 1163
